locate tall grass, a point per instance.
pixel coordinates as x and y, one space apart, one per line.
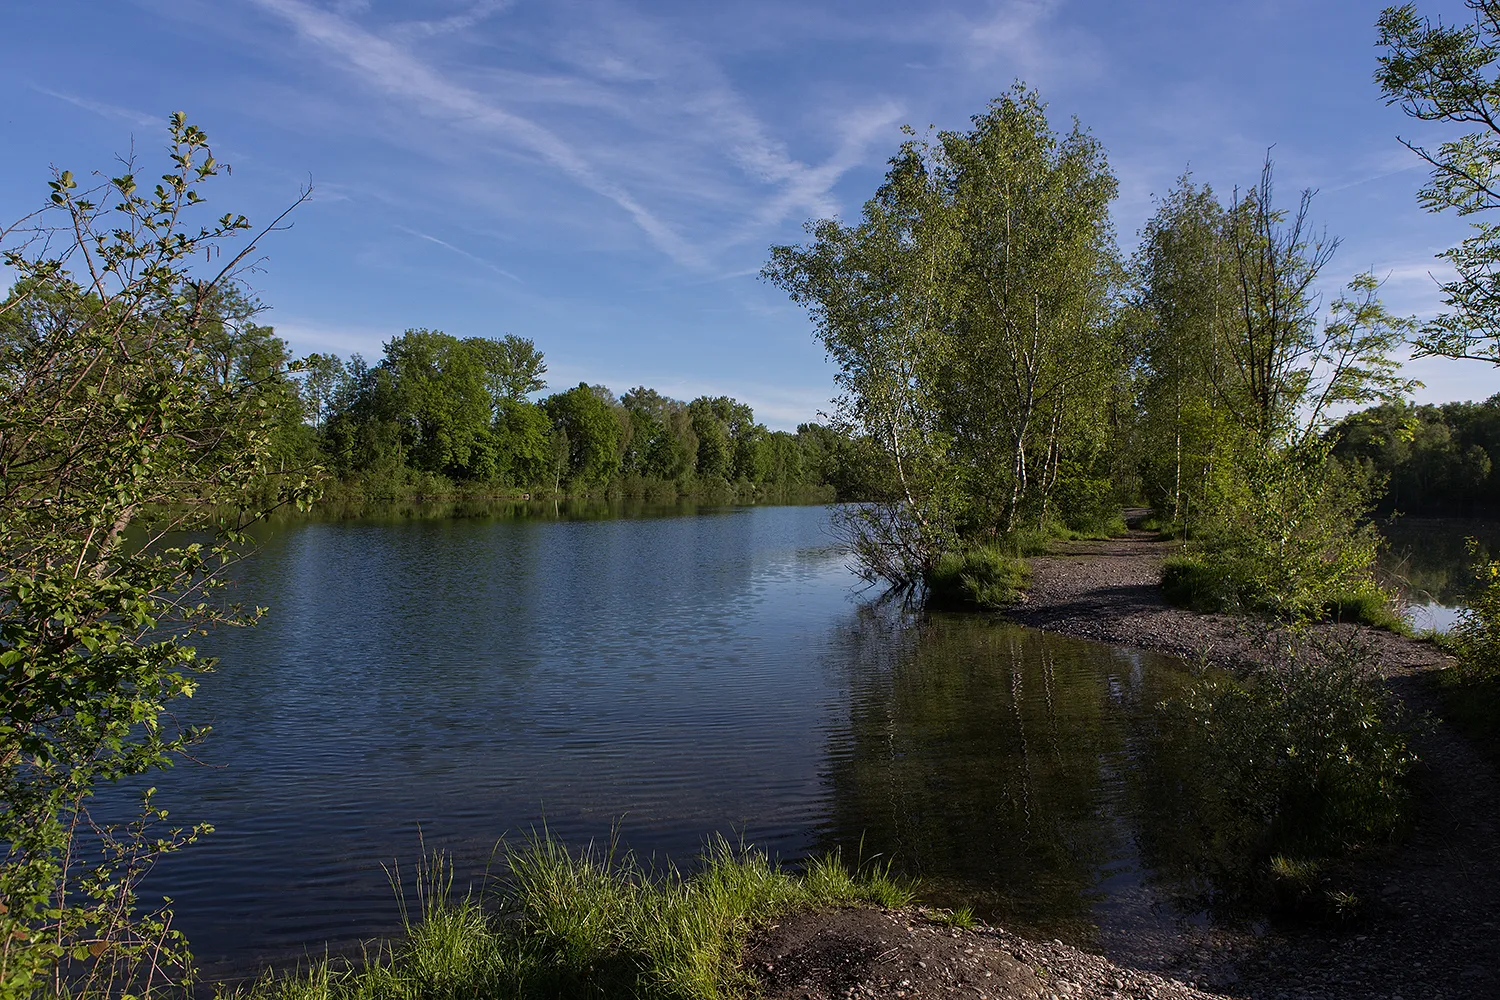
590 923
1206 583
979 576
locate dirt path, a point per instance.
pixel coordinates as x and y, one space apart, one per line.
1434 925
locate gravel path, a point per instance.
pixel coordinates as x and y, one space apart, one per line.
1434 926
1110 591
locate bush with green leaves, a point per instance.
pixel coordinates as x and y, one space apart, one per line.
977 576
1303 759
128 417
1285 532
1475 636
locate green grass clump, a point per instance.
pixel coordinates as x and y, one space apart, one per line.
962 919
979 576
1194 583
589 924
1366 605
1200 581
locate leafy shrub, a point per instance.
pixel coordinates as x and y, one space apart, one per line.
1471 693
1475 637
1302 760
1286 533
982 576
1190 581
1366 604
1088 506
131 419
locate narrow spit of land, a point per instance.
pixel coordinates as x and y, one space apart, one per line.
1431 926
1433 922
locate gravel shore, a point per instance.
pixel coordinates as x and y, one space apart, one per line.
904 953
1432 923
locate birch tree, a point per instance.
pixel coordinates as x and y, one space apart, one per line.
968 313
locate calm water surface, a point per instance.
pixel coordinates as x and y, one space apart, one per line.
1429 560
444 683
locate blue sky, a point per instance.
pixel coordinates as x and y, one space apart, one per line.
605 178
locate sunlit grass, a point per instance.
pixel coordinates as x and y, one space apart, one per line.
979 576
590 923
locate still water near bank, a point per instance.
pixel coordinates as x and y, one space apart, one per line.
1429 561
425 684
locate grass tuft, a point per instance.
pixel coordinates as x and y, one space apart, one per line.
1202 584
589 923
980 576
960 919
1193 583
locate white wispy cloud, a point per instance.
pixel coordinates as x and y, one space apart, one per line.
106 110
461 252
475 15
679 95
307 335
387 66
618 104
1023 38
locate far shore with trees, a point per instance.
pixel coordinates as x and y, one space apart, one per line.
439 416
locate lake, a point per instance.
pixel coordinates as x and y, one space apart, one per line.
426 684
1429 561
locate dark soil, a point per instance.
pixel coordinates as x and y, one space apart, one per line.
1428 925
903 953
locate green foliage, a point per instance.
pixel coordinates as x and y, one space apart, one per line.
970 315
513 367
138 402
443 416
1447 73
1302 761
980 576
439 397
961 918
1193 583
591 924
1183 302
1239 374
1471 702
1475 637
1427 460
1087 506
584 417
1283 532
1366 604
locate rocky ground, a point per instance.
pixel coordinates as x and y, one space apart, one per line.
1429 926
903 953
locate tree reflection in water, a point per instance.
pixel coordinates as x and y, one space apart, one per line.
1012 771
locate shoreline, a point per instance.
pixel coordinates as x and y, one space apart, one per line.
1110 591
1431 928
